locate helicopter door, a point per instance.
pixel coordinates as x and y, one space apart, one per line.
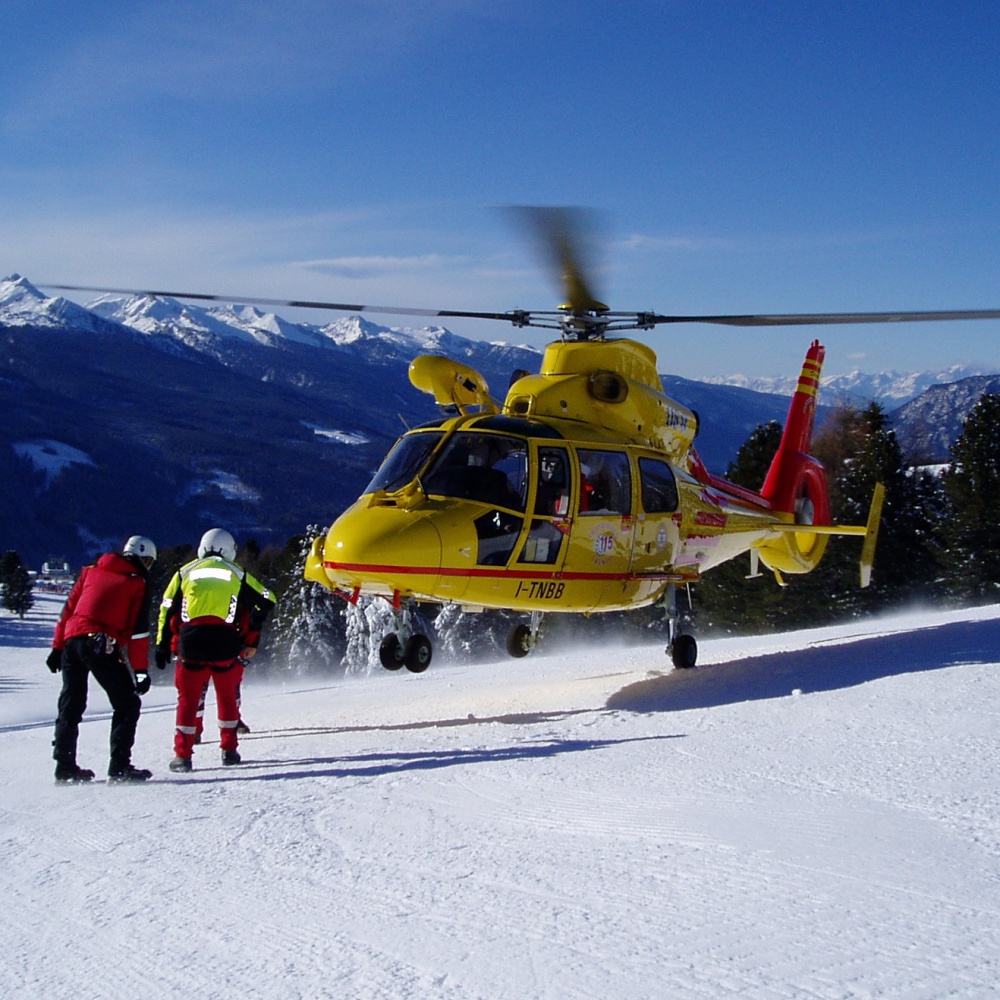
544 544
601 540
657 530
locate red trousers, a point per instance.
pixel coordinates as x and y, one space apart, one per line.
200 721
192 686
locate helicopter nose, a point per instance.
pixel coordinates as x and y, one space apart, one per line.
383 549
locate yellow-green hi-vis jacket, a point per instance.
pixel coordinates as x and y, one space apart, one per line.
211 610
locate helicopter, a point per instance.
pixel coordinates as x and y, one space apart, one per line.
582 490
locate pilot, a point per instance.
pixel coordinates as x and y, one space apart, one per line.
596 487
553 492
600 490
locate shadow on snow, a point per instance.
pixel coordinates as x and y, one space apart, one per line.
376 765
27 633
821 667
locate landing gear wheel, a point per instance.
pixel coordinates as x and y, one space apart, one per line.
683 651
390 652
519 641
418 654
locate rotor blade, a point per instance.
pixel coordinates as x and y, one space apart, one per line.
521 317
565 237
513 315
827 319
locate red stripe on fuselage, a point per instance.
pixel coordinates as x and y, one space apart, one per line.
501 574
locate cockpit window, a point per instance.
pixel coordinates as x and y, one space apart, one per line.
489 468
406 459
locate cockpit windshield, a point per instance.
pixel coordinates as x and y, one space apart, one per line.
489 468
406 459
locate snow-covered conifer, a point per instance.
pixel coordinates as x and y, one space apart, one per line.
306 632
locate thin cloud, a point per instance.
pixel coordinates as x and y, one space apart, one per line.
377 266
644 243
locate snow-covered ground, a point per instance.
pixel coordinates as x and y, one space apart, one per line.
807 815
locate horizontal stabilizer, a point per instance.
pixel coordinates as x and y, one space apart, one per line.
869 531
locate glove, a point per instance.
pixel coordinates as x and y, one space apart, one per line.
162 657
142 682
54 660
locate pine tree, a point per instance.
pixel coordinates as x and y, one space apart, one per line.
367 622
724 599
458 632
859 449
972 484
16 585
752 461
9 562
306 631
906 563
469 636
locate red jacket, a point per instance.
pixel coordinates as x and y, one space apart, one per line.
111 596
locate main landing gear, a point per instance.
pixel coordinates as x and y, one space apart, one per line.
681 647
403 647
521 639
683 651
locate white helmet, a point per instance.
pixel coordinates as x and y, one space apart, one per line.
141 546
217 542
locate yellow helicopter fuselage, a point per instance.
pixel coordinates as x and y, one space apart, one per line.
582 494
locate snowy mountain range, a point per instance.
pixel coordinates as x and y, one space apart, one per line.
184 417
891 389
150 415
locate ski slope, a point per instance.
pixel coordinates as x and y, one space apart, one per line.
812 815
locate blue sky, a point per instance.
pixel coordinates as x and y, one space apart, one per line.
744 156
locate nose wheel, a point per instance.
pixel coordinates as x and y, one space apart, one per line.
403 647
417 655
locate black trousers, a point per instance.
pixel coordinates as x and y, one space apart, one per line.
79 661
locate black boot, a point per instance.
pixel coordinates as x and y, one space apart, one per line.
124 771
67 773
230 757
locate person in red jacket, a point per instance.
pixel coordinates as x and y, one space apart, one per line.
104 630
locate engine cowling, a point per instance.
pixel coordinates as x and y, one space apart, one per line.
451 383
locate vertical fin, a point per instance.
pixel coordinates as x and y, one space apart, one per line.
802 411
783 477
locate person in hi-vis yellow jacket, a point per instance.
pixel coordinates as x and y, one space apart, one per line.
210 617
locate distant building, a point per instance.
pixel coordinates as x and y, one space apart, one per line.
55 575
